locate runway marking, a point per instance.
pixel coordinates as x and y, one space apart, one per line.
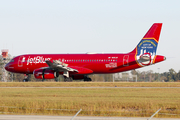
38 117
91 87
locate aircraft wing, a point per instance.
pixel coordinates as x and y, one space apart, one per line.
61 67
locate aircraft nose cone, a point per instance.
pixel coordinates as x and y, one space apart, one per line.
7 67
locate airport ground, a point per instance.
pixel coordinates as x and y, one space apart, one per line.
95 99
89 84
38 117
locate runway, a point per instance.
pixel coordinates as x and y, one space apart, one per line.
92 87
38 117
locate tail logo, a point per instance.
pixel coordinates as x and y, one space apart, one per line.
146 51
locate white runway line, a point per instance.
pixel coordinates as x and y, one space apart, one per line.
92 87
38 117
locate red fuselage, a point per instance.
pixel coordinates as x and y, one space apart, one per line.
98 63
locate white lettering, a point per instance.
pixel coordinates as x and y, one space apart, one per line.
111 65
38 59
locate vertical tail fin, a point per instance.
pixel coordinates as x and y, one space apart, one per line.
150 41
146 49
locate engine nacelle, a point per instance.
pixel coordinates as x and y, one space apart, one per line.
44 74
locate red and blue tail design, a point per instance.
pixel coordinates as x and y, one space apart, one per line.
145 51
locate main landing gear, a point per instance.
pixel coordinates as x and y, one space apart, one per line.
68 79
87 79
77 77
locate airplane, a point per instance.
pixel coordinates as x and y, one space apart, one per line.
79 66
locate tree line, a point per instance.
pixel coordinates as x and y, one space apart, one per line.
150 76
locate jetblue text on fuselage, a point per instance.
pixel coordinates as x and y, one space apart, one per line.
38 59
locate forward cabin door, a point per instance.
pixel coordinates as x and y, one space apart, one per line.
20 61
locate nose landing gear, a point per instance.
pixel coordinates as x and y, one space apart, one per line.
26 78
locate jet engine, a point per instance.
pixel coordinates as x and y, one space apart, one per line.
45 74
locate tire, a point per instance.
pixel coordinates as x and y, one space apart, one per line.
68 79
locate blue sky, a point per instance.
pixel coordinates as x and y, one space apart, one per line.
80 26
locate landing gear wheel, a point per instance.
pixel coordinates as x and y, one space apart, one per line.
56 75
56 79
26 78
87 79
68 79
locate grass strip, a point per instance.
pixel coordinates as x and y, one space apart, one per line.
130 102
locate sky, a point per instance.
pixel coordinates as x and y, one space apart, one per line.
81 26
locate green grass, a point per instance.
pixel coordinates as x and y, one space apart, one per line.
132 102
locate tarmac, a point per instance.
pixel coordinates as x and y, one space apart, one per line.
38 117
94 87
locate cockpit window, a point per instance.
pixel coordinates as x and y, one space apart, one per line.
12 60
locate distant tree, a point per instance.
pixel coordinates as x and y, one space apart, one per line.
2 64
165 74
171 75
163 78
149 74
178 76
136 72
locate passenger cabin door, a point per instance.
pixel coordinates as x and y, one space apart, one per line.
20 61
126 60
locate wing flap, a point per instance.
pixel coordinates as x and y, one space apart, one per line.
57 65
